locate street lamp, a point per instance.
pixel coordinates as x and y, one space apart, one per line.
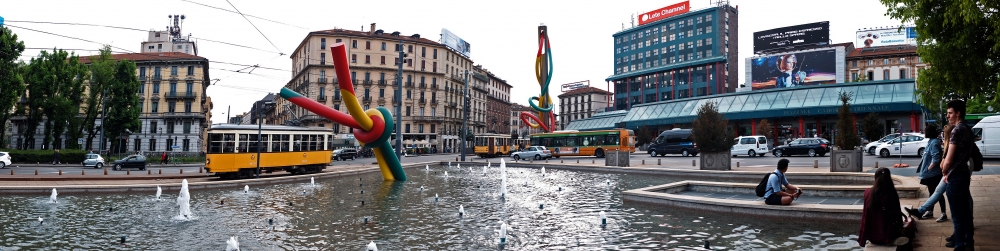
260 121
465 115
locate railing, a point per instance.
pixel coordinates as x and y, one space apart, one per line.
157 77
453 104
423 86
183 114
366 82
434 101
395 99
434 86
382 83
409 84
321 98
381 99
336 98
322 80
366 99
184 95
311 118
423 101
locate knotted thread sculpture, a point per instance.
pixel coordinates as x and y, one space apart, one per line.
543 73
372 127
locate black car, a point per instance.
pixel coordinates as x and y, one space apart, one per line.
676 141
804 146
132 161
344 154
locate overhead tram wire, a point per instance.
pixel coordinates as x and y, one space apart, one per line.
230 11
134 29
254 26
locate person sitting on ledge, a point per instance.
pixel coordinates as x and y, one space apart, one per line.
775 195
881 218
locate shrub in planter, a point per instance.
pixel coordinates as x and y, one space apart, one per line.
710 130
849 157
712 138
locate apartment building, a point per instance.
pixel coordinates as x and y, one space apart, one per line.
581 103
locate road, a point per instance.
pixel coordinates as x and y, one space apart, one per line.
636 160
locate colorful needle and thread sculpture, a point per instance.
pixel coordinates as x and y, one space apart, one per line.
543 73
372 127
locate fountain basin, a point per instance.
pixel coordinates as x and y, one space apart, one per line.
839 203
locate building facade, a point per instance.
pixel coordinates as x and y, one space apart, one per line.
174 109
689 55
433 84
581 103
883 63
170 40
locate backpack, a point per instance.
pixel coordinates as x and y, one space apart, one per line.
762 186
975 158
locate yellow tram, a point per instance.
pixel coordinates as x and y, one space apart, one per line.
232 149
492 145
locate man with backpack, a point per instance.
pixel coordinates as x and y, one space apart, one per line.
772 187
958 175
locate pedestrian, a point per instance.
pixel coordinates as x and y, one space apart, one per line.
956 172
881 219
55 157
775 195
930 176
163 158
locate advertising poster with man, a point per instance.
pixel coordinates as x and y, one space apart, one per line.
794 69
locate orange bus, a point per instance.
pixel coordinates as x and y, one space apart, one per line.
586 143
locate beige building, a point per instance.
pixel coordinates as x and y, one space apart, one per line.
581 103
170 40
883 63
433 81
517 126
174 108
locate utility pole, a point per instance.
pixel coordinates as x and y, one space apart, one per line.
229 110
465 116
399 103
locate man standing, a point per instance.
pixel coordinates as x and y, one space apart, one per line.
55 157
775 195
958 176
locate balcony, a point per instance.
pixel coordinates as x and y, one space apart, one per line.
308 118
395 100
336 98
422 101
366 82
381 100
182 115
366 99
423 85
180 95
321 98
409 84
427 118
434 101
322 80
157 77
434 86
453 104
382 83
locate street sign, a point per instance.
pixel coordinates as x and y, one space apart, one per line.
79 141
175 147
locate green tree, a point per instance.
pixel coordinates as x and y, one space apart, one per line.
55 89
960 39
645 135
710 130
874 128
847 138
122 113
102 70
11 82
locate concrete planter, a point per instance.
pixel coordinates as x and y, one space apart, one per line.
716 161
616 158
846 160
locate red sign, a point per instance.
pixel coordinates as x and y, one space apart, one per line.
665 12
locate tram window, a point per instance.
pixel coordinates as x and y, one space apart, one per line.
276 143
329 142
251 143
285 141
229 143
296 143
215 137
264 143
312 142
243 143
214 143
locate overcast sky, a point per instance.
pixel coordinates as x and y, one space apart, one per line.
501 33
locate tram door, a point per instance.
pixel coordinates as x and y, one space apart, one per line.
492 145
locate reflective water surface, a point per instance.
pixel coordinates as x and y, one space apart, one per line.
330 216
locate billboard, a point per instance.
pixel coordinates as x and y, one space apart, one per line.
884 37
803 34
665 12
454 42
794 69
575 85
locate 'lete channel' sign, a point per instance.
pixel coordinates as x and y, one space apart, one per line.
665 12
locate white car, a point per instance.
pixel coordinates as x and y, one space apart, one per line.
752 146
4 159
907 144
870 147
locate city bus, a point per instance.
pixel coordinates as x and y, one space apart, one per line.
232 149
586 143
491 145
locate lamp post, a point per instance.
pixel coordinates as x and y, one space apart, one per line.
399 103
465 116
260 121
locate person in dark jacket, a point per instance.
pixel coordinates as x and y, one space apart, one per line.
881 218
55 157
930 176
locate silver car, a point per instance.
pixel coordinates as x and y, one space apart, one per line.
94 160
533 152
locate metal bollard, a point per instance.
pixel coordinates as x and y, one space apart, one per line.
692 163
643 162
36 172
11 171
659 162
578 161
815 163
161 171
105 171
561 161
149 171
60 172
200 169
546 160
592 162
876 164
128 172
182 171
737 164
83 172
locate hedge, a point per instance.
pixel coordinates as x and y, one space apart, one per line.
45 156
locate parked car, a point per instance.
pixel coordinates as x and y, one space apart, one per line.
132 161
676 141
870 147
94 160
532 152
987 133
752 146
343 154
907 144
4 159
803 146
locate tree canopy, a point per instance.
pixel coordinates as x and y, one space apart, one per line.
960 40
11 81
